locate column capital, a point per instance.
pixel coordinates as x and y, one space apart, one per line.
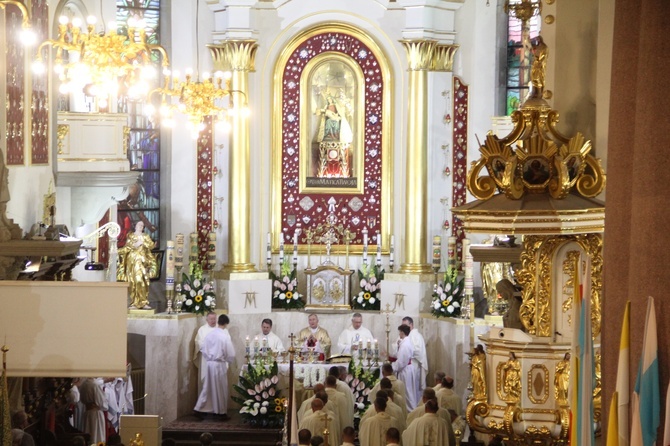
234 55
419 53
443 57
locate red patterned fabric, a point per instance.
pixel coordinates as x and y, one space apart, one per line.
40 110
460 157
15 88
205 193
365 211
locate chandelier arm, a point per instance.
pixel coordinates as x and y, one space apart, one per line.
25 23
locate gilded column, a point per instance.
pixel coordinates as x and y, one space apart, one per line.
420 58
238 56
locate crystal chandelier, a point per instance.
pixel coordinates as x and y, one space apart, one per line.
211 97
102 64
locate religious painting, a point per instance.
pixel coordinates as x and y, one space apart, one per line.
332 144
536 171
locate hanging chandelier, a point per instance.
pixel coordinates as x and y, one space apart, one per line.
211 97
102 64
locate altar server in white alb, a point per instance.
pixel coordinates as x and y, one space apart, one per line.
218 351
199 360
353 337
93 398
272 340
420 357
406 369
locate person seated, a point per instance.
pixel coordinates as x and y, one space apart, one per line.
314 337
355 337
392 437
272 341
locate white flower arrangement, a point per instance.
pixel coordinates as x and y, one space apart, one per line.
370 282
447 295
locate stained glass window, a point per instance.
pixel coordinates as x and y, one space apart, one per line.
518 66
143 202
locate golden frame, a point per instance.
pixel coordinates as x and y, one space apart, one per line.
307 126
386 186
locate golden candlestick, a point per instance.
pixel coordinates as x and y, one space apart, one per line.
388 312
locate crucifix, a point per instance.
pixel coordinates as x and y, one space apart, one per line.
388 313
326 432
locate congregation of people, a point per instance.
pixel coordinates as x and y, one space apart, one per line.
403 409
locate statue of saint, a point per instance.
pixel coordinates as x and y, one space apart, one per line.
478 372
137 265
508 292
539 66
334 137
562 380
512 378
137 441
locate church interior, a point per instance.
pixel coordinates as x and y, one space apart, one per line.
489 170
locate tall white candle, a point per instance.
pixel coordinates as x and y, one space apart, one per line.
179 254
281 248
211 250
437 252
468 285
451 252
295 246
169 266
379 249
466 250
193 247
365 246
268 250
392 250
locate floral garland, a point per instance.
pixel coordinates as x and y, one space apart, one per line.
448 295
261 401
285 287
369 298
197 296
361 382
310 375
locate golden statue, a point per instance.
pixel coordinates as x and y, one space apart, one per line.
137 441
562 380
512 378
478 372
539 66
137 265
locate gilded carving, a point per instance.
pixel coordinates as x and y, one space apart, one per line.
568 268
234 55
597 390
61 133
536 278
443 57
511 377
538 383
419 54
562 380
475 411
478 372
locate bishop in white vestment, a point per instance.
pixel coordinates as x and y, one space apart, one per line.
354 337
218 351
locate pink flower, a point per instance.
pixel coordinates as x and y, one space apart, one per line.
251 392
363 283
286 279
271 392
361 385
267 382
373 279
275 379
258 397
276 284
354 384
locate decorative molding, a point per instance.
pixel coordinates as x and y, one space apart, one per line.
460 156
204 189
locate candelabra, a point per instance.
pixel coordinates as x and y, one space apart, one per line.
28 36
99 62
198 99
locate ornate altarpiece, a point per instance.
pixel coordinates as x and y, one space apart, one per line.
331 140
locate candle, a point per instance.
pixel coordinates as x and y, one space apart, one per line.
268 250
466 250
368 344
379 249
281 248
392 251
295 246
193 252
365 246
451 252
179 255
437 252
468 286
169 267
211 250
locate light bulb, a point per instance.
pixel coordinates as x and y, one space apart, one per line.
38 67
64 88
164 111
141 24
245 112
91 20
188 71
132 22
28 37
102 103
59 69
76 22
63 20
227 75
218 74
206 75
111 26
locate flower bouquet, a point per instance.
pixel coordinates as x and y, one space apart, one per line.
370 280
448 295
197 295
261 401
361 382
285 287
